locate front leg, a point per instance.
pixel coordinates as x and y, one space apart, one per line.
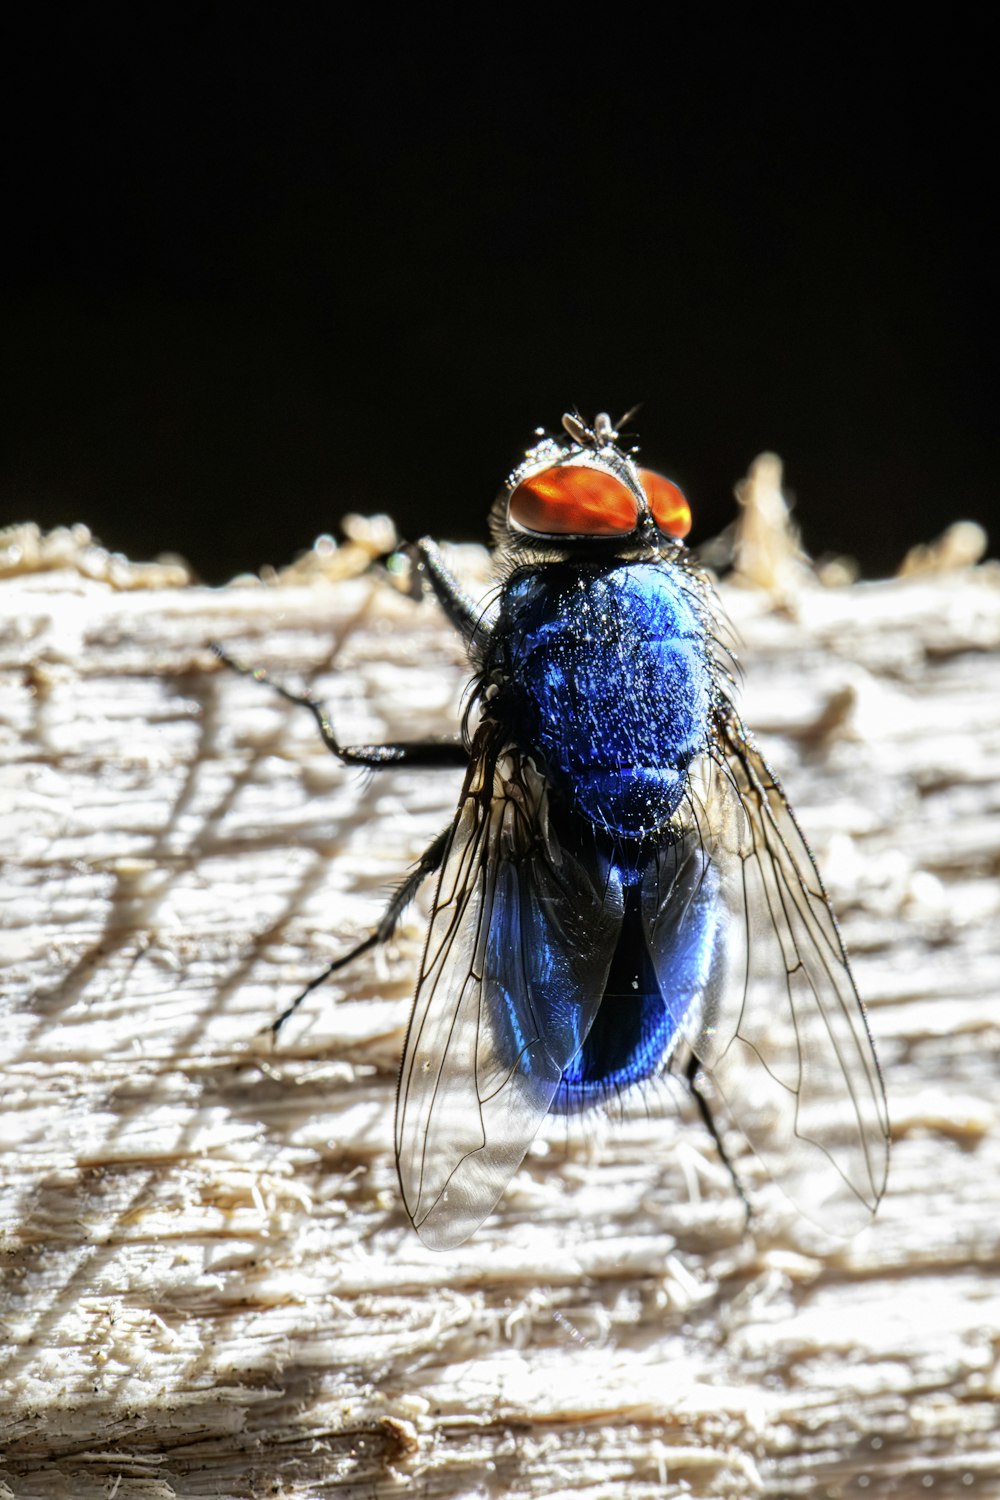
472 620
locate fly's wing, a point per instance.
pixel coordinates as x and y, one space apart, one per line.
516 963
780 1027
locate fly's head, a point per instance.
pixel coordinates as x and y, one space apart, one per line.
583 494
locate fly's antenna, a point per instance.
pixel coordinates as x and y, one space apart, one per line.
600 435
623 422
577 430
604 429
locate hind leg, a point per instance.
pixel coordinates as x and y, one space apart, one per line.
428 862
691 1073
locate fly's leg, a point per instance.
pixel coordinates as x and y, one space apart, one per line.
427 753
422 753
469 618
691 1073
428 862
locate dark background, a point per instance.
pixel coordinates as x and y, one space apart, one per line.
262 269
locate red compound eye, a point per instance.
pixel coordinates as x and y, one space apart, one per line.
671 511
573 500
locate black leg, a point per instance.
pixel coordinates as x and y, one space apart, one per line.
469 618
428 862
428 753
691 1078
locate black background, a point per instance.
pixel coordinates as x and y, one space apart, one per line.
264 268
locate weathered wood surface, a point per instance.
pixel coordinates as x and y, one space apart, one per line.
208 1286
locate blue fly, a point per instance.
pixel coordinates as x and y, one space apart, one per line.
624 890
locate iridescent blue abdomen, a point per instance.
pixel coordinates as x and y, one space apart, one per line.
608 681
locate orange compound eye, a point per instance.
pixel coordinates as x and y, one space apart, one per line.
671 511
573 500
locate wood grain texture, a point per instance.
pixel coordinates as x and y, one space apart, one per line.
208 1285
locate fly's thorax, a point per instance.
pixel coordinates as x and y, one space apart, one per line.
607 681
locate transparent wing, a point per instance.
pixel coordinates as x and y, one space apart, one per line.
780 1027
516 963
